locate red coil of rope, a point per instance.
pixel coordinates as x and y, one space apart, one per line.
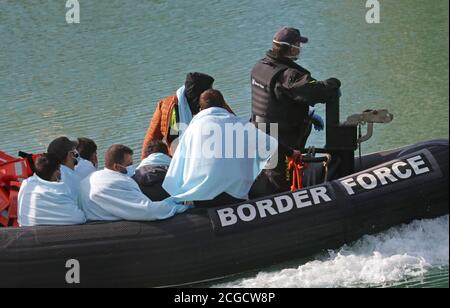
297 168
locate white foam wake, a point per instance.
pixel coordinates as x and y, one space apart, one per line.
402 252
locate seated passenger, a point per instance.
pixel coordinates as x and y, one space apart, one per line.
150 174
111 194
66 152
42 200
88 158
217 178
175 112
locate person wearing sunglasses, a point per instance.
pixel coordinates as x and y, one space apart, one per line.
283 93
65 150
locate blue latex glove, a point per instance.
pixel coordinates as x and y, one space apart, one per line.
317 121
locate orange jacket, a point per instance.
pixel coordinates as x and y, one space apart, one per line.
159 127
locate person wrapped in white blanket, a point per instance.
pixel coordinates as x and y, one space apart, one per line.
219 156
44 200
111 194
66 152
151 172
88 161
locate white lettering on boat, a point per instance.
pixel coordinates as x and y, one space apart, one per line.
272 207
395 172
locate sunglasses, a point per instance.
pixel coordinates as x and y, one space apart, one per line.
75 153
287 44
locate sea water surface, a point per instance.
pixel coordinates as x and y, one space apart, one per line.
103 77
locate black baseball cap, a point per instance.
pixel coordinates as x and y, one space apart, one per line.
289 36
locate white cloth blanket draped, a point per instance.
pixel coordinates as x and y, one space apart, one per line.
156 159
43 203
194 176
71 179
84 168
184 110
111 196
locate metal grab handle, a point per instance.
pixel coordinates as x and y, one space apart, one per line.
370 116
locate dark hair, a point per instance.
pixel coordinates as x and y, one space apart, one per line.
46 165
86 147
157 146
280 50
116 155
60 147
212 98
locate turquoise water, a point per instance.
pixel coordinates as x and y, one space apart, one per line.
102 77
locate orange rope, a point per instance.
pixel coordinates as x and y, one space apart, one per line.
297 174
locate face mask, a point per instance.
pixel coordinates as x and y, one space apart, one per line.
295 58
129 171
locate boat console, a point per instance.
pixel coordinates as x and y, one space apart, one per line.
343 139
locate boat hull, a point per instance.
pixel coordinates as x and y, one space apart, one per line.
206 244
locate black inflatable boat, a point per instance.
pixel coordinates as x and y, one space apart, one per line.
383 190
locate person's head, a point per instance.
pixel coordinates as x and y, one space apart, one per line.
287 43
88 150
65 151
118 158
211 98
47 167
195 85
157 146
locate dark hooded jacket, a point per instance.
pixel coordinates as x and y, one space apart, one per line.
150 180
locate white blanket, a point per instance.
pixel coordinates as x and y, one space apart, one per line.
156 159
72 180
184 110
196 175
84 168
110 195
47 203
